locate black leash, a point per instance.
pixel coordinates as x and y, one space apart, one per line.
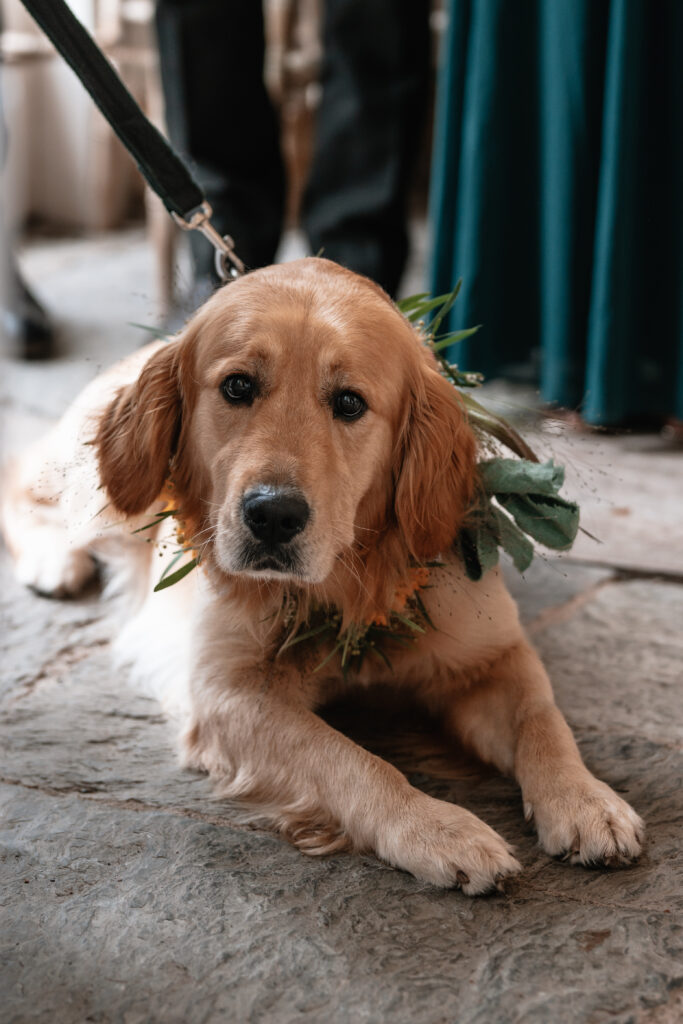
159 164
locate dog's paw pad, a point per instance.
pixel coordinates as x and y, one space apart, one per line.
589 825
449 847
489 875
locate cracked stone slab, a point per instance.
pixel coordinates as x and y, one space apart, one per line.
617 664
122 916
550 582
129 894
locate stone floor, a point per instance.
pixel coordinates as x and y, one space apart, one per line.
129 895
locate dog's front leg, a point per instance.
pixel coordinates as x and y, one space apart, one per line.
264 745
510 719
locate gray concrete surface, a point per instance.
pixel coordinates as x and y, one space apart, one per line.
127 894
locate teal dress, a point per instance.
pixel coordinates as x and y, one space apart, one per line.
557 195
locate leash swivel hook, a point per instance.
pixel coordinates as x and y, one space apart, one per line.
228 264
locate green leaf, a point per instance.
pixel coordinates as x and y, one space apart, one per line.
298 637
452 339
519 476
421 310
551 521
410 301
160 516
478 542
423 611
445 308
168 581
512 540
408 622
329 657
382 656
174 561
344 645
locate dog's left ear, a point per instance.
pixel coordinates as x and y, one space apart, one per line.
435 467
138 431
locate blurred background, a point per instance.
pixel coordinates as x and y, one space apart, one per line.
533 149
66 175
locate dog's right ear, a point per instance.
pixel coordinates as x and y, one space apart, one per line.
138 432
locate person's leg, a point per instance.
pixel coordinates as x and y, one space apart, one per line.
24 324
369 127
25 328
219 117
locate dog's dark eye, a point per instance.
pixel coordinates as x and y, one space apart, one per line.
238 388
347 405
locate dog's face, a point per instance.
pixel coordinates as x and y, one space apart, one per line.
299 416
293 423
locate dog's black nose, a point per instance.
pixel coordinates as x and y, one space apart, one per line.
274 515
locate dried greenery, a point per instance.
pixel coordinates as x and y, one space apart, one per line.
519 501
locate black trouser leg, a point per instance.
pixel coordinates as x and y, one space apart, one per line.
219 116
369 126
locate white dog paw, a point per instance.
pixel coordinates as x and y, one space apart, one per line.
449 847
587 823
53 570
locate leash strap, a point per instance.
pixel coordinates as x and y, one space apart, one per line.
159 164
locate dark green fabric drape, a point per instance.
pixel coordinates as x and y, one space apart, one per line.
557 195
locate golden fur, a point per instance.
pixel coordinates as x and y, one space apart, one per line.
383 490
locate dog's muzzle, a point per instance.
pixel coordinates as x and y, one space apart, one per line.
274 516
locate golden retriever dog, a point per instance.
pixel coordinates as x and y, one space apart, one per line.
316 456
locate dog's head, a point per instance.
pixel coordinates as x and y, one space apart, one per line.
301 421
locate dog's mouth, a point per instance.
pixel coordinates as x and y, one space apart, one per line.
269 558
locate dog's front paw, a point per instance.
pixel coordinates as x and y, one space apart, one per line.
447 846
53 570
587 823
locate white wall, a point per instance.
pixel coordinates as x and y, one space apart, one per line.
59 145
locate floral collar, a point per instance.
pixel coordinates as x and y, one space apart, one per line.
519 503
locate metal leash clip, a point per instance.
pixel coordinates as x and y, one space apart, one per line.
228 264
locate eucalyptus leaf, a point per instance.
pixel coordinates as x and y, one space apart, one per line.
452 339
513 541
551 521
159 518
174 561
445 308
477 544
298 637
175 577
327 658
410 301
382 656
408 622
421 310
520 476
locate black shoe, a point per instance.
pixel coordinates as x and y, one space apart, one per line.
26 325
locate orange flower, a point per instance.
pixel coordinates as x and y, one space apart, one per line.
417 579
401 595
